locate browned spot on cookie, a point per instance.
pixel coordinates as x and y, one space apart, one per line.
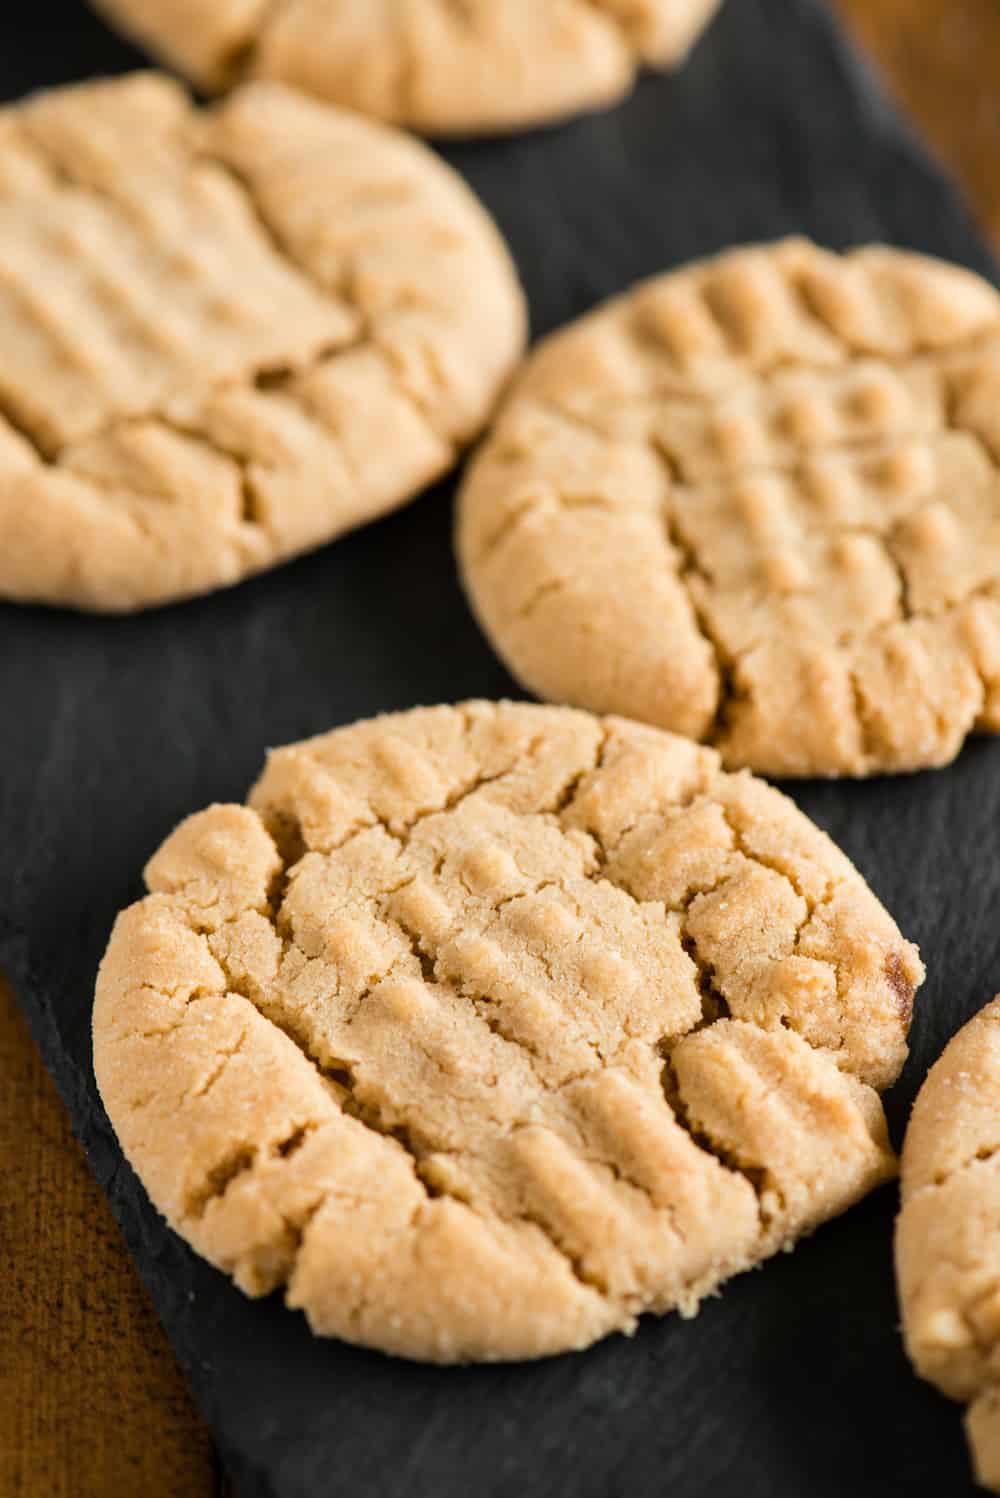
900 985
293 1143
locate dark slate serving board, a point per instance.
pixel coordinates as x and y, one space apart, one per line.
794 1382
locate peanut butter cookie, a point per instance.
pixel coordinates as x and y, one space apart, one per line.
948 1233
483 1030
439 66
757 501
226 337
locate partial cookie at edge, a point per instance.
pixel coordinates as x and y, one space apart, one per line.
948 1233
479 67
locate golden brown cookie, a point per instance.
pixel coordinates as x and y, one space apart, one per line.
226 337
439 66
757 501
484 1029
948 1233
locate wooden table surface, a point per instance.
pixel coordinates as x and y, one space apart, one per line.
92 1404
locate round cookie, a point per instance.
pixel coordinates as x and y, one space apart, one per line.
484 1029
756 501
476 66
948 1233
227 336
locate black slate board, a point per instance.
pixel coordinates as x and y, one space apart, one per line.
794 1383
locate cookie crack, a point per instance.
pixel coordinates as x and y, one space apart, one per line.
297 1227
369 1113
369 331
239 1162
426 960
451 803
236 64
21 429
756 1177
286 830
867 728
755 855
906 611
207 1083
509 523
190 431
403 831
573 1258
715 1004
682 552
193 430
236 1163
893 972
340 1075
332 1071
538 595
567 795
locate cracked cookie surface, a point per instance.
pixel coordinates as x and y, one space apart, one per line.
948 1233
483 1030
440 66
226 336
757 501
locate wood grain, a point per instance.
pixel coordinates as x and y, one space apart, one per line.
91 1402
941 59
